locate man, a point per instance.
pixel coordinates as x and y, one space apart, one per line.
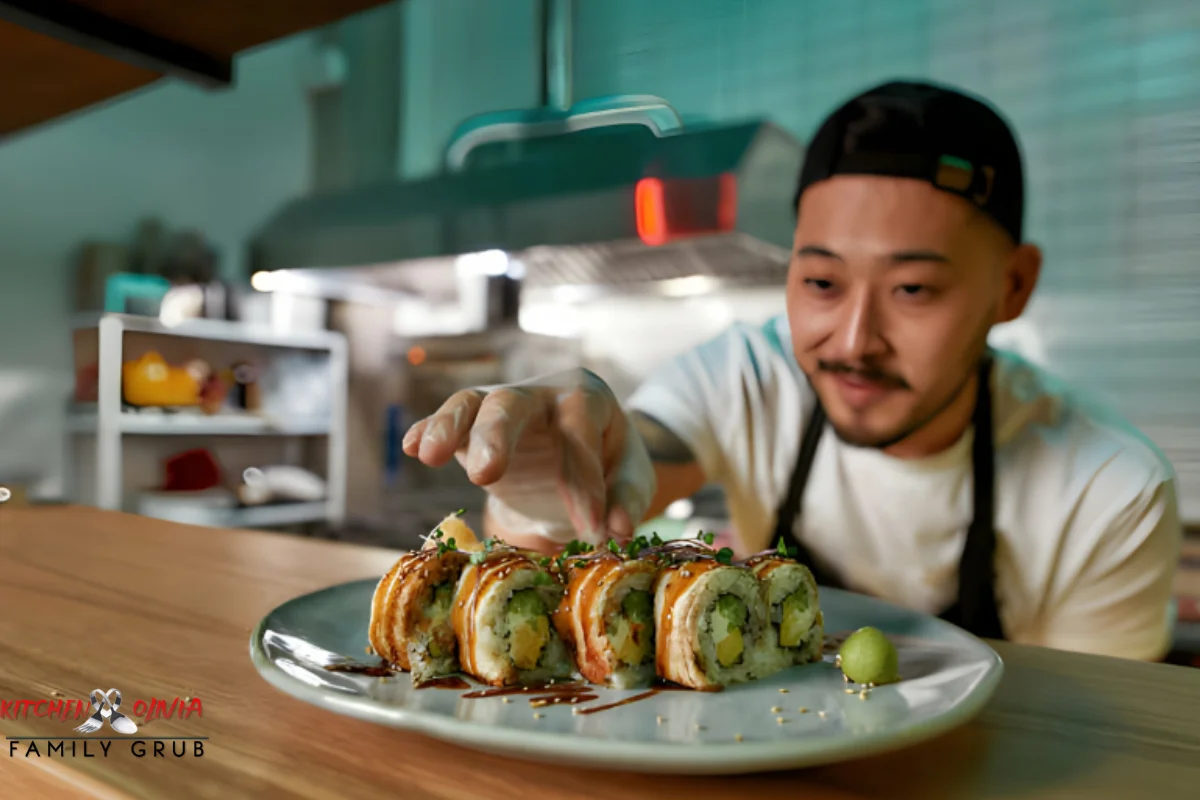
957 481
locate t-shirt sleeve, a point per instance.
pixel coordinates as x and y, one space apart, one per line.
1117 604
687 394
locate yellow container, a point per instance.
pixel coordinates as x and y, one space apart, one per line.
151 381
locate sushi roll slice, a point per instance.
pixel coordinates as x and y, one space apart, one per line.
502 618
410 613
711 619
607 616
797 625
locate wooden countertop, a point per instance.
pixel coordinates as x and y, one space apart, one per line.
159 609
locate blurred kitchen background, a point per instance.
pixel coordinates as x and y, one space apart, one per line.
434 194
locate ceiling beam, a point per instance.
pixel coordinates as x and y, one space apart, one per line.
91 30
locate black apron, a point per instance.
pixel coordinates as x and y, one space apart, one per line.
975 609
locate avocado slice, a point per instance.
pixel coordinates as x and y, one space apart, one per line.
526 603
730 649
443 595
728 617
732 609
528 628
638 606
794 608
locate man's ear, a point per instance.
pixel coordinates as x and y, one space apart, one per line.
1020 278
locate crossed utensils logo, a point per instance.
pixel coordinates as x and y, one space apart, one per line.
104 707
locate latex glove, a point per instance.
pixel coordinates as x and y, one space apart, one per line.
557 456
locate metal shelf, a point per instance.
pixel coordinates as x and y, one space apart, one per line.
109 422
202 425
215 330
279 514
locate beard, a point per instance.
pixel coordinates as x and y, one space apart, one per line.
926 411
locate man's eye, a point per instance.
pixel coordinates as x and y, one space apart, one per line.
819 284
913 290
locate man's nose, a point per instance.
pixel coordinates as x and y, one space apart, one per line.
859 334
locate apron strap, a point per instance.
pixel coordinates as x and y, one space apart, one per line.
975 609
789 512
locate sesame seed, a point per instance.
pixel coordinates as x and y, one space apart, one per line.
775 709
803 710
821 714
505 700
779 720
538 715
659 719
699 727
783 691
849 691
862 695
574 710
737 737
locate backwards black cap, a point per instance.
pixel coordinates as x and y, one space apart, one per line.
958 143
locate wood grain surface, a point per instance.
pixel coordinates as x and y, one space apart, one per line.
159 609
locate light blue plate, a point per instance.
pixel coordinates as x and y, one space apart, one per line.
948 676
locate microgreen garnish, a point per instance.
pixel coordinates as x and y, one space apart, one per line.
782 548
636 546
613 547
656 540
707 538
572 548
725 555
479 556
447 546
460 512
579 564
542 579
544 561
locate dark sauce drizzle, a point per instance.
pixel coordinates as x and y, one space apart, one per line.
447 682
381 670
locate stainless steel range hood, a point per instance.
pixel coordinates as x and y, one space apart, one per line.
610 194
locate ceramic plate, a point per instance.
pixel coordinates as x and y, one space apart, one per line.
947 676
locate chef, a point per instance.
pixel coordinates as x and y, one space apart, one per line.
871 428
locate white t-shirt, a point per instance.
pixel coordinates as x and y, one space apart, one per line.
1087 522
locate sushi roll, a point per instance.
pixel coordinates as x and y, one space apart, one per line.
797 625
502 617
410 613
607 616
711 619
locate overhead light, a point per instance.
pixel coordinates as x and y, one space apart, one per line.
680 509
488 262
516 269
264 281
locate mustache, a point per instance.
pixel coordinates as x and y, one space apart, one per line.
867 372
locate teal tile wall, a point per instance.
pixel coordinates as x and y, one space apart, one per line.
1105 95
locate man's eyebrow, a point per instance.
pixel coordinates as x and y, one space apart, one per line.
818 251
908 256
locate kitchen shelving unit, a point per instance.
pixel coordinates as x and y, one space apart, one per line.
111 424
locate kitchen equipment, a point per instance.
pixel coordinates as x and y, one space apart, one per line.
606 194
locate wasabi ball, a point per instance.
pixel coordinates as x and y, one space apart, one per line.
868 657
